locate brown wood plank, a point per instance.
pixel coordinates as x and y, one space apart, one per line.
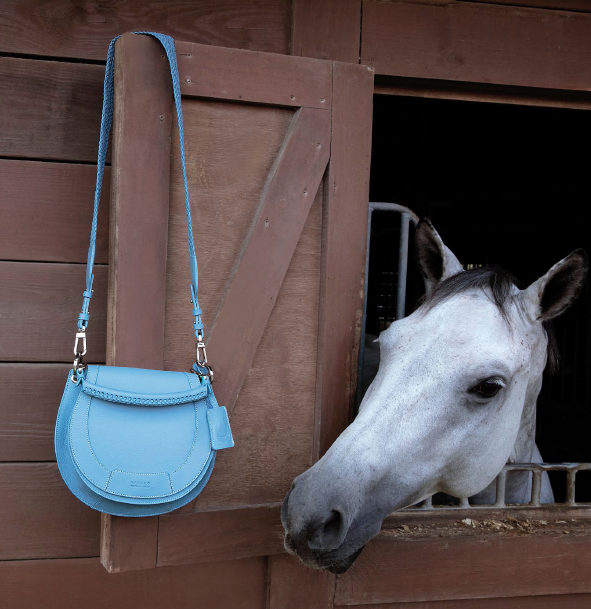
46 211
220 535
479 92
556 601
40 516
560 5
39 305
72 584
291 585
30 395
138 245
468 568
326 30
344 237
50 110
66 29
284 208
251 76
478 43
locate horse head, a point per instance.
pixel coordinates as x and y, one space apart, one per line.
445 409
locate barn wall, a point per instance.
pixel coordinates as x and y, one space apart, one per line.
52 55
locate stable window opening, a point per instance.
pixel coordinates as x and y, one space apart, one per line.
504 185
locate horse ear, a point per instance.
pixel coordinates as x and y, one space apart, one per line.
436 260
553 293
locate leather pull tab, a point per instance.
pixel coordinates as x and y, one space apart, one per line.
219 427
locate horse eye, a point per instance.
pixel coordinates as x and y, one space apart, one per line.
487 389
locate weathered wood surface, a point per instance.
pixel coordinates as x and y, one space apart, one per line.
83 31
478 43
50 110
30 395
344 238
254 286
555 601
231 149
142 120
479 92
329 29
46 211
219 535
39 305
40 516
560 5
72 584
249 76
292 585
467 568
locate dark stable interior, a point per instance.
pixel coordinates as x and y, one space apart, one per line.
506 185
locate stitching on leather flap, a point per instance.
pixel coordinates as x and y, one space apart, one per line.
128 397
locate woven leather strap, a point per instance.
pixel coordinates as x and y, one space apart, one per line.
106 120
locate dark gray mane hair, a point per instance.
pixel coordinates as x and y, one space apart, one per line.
500 283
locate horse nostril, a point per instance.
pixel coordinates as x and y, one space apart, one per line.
329 535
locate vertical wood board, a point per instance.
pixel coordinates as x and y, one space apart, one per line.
294 585
330 29
343 255
138 245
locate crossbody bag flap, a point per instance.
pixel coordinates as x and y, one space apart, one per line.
125 446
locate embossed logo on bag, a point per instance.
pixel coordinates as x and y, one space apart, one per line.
142 483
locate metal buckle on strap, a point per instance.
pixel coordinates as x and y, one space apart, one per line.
201 360
79 365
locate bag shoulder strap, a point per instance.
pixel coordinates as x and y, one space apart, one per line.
106 119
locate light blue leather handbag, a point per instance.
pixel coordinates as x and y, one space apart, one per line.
128 441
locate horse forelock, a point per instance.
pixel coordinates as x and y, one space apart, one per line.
500 284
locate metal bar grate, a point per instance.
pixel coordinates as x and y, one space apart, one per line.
537 470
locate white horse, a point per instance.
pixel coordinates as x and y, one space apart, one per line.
453 401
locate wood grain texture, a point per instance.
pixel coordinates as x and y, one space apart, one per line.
560 5
61 28
142 119
326 30
467 568
40 516
344 238
291 584
555 601
479 92
230 150
250 76
140 188
46 212
30 396
50 110
39 306
219 535
478 43
279 221
72 584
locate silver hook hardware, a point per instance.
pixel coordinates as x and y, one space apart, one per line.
80 335
79 364
201 354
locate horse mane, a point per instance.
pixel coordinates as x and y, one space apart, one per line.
500 283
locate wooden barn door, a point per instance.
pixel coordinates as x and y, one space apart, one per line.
278 152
